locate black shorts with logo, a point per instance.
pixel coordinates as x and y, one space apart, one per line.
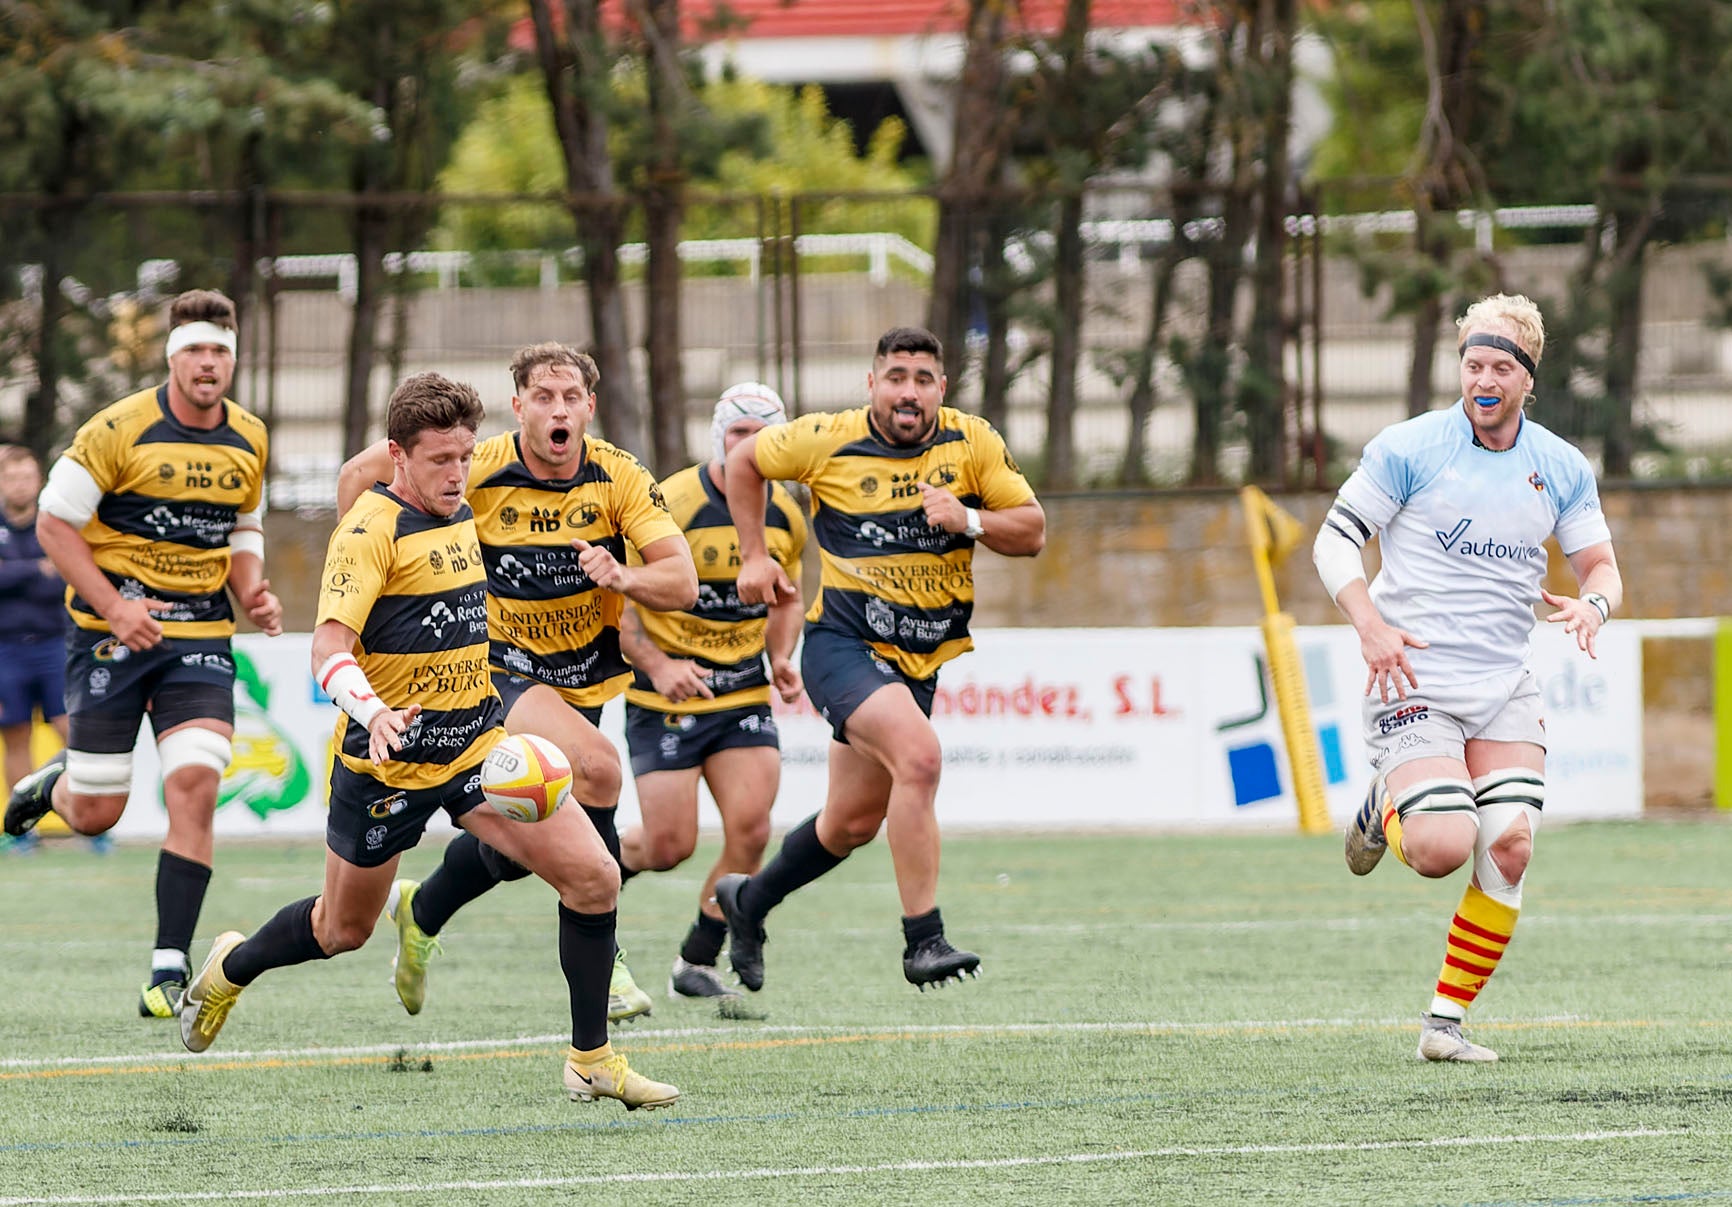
841 671
511 688
370 821
110 688
676 741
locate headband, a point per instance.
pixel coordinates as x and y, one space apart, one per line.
188 334
1482 339
748 400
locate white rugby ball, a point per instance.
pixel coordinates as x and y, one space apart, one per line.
526 778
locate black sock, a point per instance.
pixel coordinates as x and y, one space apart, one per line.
625 874
586 958
180 889
469 868
602 820
704 940
801 860
286 939
917 929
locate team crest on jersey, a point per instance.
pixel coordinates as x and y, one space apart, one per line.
869 485
507 516
165 472
711 553
880 619
435 561
1535 481
584 516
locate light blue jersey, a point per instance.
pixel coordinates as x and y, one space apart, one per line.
1463 535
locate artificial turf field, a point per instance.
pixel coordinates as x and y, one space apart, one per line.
1189 1019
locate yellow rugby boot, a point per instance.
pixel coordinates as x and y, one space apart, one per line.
414 947
205 1005
608 1075
624 999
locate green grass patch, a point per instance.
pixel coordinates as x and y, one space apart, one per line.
1193 1019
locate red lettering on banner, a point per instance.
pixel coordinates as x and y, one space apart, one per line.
1131 702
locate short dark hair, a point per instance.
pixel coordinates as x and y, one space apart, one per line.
18 452
201 306
526 360
430 402
909 339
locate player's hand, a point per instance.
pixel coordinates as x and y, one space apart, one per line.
682 679
761 580
1384 648
1579 618
786 678
600 565
133 621
264 609
943 509
385 734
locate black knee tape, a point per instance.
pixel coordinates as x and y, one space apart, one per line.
502 868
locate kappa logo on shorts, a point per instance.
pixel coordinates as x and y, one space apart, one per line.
1403 716
883 667
376 837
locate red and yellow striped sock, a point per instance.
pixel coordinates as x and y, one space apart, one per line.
1478 935
1392 826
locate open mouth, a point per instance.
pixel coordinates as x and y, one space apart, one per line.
559 439
908 412
1486 401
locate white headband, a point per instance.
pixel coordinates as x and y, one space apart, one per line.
748 400
188 334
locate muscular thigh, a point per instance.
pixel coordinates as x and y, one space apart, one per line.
668 800
544 712
744 780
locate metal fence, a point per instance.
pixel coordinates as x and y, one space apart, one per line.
794 291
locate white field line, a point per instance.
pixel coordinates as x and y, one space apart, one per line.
1351 922
809 1171
747 1034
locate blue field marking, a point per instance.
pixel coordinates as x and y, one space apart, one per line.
1683 1196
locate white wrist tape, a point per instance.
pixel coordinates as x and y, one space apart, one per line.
345 682
188 334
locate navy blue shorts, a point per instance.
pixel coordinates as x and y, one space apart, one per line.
841 671
511 689
676 741
370 821
32 676
110 688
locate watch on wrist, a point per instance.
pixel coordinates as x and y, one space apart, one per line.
971 526
1600 603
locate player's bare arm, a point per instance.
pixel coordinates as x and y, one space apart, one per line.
760 579
666 582
1383 646
252 590
1601 589
359 473
676 678
1015 532
131 620
781 634
335 669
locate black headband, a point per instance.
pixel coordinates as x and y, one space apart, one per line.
1481 339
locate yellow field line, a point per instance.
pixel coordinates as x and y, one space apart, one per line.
412 1056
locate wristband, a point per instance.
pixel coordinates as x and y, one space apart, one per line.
971 526
346 683
1601 605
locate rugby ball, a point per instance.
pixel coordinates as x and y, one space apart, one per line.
525 778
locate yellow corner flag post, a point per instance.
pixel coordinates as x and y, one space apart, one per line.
1274 534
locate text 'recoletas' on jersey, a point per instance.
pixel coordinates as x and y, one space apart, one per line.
547 620
903 586
414 588
170 498
719 632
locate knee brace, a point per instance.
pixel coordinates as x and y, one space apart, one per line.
194 746
1503 796
98 774
1434 797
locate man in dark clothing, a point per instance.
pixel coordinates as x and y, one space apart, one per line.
32 616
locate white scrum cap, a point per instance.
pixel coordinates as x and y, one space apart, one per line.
748 400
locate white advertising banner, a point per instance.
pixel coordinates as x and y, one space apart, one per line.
1062 728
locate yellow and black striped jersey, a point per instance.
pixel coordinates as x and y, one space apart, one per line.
719 631
414 588
890 578
546 619
170 497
